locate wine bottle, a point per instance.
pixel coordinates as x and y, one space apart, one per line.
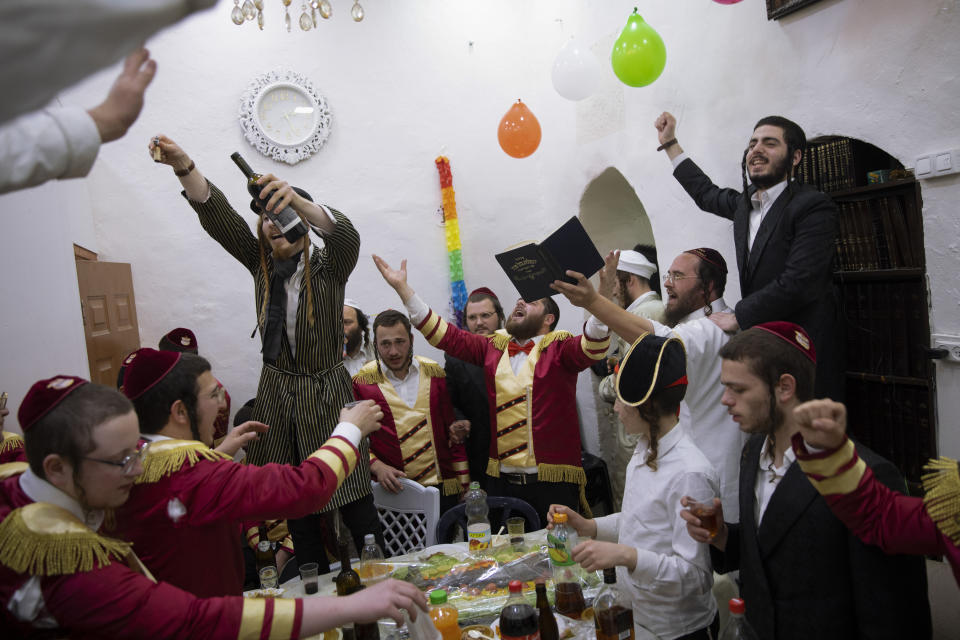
287 220
348 580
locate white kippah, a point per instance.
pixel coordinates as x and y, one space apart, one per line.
634 262
350 302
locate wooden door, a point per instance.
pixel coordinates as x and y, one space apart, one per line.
109 316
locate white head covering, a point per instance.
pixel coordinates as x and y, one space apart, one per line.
350 302
634 262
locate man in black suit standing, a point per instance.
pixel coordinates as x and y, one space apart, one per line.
784 234
802 573
468 386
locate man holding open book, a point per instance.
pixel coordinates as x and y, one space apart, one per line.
531 371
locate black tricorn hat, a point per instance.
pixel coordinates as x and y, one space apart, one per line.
652 363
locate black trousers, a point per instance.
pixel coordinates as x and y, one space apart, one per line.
313 534
539 494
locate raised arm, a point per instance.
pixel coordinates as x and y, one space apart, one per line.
582 294
217 217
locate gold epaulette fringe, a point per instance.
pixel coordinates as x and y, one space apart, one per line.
493 468
500 340
941 482
553 336
369 374
69 547
451 487
10 441
432 370
561 473
168 456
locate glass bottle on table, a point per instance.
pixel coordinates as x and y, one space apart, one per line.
266 559
547 621
479 535
348 580
613 613
566 573
444 616
518 619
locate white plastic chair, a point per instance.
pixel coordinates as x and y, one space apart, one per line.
408 518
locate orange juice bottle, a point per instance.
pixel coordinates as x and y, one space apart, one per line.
444 616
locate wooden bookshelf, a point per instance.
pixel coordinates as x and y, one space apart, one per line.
880 273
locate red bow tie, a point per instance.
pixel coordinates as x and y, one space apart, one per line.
513 348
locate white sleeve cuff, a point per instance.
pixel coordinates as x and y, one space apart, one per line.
417 309
82 137
350 432
595 329
680 158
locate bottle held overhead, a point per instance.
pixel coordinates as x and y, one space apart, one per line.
286 220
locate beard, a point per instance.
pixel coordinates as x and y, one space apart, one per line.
524 329
354 338
684 306
779 172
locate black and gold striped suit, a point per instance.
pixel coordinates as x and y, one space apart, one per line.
301 397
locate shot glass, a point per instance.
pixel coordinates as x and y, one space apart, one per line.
515 529
268 577
309 577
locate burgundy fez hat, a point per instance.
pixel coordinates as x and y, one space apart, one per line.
652 364
43 396
483 291
179 339
145 368
792 333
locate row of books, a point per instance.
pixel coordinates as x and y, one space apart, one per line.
886 328
894 421
874 234
828 166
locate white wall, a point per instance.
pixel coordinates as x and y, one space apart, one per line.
407 84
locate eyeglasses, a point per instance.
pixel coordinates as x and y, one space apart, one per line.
473 317
128 462
674 277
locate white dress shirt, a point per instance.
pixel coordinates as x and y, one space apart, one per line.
407 387
363 355
768 478
710 426
670 588
762 201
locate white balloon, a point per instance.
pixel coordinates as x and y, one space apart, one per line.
576 72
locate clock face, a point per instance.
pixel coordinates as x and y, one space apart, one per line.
286 114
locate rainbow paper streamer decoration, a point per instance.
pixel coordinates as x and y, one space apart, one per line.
458 295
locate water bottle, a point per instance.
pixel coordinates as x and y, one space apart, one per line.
478 524
372 569
737 627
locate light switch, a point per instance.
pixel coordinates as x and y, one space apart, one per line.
923 166
944 162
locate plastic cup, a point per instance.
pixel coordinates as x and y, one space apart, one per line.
515 529
701 505
309 577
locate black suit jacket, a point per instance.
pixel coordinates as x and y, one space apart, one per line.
788 273
804 575
467 385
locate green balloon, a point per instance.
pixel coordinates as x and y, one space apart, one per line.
638 55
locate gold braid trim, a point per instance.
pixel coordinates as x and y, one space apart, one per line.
10 441
369 374
550 338
42 539
561 473
166 457
499 340
431 369
451 487
12 468
493 468
942 500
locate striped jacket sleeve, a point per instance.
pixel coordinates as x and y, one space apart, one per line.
224 224
341 249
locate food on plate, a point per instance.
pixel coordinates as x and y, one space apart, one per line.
477 632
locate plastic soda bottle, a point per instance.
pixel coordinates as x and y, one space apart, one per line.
478 524
518 619
444 616
372 569
737 627
566 573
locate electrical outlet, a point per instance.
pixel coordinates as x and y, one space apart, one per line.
950 343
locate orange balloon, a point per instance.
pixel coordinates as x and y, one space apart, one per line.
519 132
